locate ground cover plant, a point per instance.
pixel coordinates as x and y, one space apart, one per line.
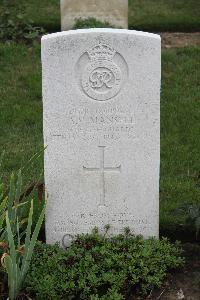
15 28
21 124
97 266
91 23
44 13
150 15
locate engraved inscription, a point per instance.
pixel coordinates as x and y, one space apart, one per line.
102 171
102 77
67 239
116 220
98 124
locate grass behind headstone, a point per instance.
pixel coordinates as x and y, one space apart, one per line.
164 15
180 143
21 107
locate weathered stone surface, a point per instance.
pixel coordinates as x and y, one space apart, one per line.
113 11
101 96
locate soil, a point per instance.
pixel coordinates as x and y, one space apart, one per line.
179 40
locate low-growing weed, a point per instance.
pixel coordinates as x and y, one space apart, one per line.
17 28
100 267
91 23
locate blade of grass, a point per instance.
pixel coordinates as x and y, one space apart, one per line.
18 187
18 235
29 251
1 161
3 205
11 247
1 192
9 268
11 195
28 230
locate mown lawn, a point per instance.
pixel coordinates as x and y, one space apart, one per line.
21 107
149 15
164 15
180 132
21 121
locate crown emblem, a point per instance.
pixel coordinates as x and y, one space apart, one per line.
101 52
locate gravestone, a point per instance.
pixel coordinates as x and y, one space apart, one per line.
113 11
101 96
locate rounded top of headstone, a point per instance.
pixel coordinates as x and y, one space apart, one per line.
100 30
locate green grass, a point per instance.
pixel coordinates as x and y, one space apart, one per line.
21 106
149 15
180 131
21 121
44 13
164 15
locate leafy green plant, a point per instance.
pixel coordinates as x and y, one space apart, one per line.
9 202
14 205
91 23
97 266
17 28
16 199
17 261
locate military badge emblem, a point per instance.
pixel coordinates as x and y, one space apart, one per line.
102 78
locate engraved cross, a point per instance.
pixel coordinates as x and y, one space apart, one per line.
102 171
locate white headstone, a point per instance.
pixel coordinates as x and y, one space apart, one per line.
113 11
101 96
